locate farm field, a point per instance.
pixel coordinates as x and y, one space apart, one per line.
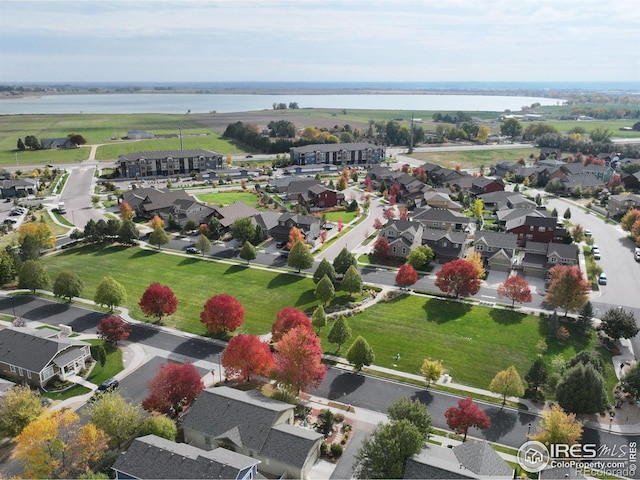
473 342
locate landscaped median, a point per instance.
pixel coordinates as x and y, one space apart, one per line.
473 342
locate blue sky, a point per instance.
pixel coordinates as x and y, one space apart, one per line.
350 40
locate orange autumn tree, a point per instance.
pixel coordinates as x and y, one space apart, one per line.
126 212
245 356
40 232
156 222
55 445
295 236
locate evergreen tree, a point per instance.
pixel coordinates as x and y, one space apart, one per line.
537 374
340 332
325 290
325 268
360 353
352 281
300 256
581 389
586 315
343 261
319 318
20 145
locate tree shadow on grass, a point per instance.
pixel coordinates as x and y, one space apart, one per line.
144 253
307 297
98 250
502 422
234 269
283 280
441 311
188 261
506 317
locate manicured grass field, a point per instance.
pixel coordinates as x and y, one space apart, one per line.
112 366
473 342
346 217
227 198
194 281
475 158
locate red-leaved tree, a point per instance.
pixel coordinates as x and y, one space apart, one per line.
323 236
112 329
377 224
158 301
466 415
222 313
389 214
368 185
174 387
298 360
340 225
516 289
287 319
246 355
568 289
381 249
406 276
404 213
458 278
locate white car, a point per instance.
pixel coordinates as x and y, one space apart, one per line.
587 232
596 254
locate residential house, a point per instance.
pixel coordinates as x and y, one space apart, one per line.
476 460
618 205
496 249
320 196
139 135
540 257
440 218
478 185
631 182
500 200
550 153
168 163
151 457
307 224
230 213
234 174
19 188
403 236
338 154
445 176
586 183
551 162
378 174
253 425
57 143
436 199
147 202
501 169
446 245
601 172
308 170
537 229
280 185
300 186
511 217
267 221
185 210
36 356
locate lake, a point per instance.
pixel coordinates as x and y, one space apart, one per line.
223 103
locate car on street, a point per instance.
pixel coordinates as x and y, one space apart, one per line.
587 232
280 244
108 385
193 250
595 251
636 254
602 279
10 220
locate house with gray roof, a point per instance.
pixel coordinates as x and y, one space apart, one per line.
403 236
540 257
307 224
446 245
153 457
168 163
36 356
148 202
21 187
631 181
496 249
618 205
57 143
437 199
338 154
185 210
502 200
475 460
230 213
251 424
441 218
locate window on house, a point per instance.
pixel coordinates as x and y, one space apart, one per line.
529 237
489 249
553 259
445 243
531 228
541 229
404 251
480 248
28 373
20 373
12 368
393 249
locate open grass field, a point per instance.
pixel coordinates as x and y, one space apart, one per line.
227 198
473 342
590 125
476 158
112 365
345 216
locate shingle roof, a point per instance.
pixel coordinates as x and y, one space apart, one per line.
160 154
151 199
563 250
289 444
154 457
301 185
439 214
481 459
31 351
233 212
334 147
435 462
220 410
497 239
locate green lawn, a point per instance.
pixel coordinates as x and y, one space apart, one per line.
346 217
473 342
475 158
112 366
194 281
227 197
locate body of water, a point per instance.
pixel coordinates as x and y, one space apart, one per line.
222 103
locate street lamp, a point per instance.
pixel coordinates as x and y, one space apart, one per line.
528 431
220 365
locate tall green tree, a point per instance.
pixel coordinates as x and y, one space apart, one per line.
7 267
110 293
508 384
420 256
161 426
617 323
67 285
352 281
129 233
203 244
343 261
537 374
586 315
582 389
19 407
243 229
325 290
325 268
248 252
158 237
385 452
300 256
511 127
33 276
340 331
360 353
319 318
413 411
111 413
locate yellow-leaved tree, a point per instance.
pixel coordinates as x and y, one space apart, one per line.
557 426
55 445
40 232
508 384
476 259
431 369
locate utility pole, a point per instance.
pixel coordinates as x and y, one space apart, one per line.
411 137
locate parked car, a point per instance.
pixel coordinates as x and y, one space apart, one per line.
595 251
602 279
108 385
587 232
280 244
193 250
10 220
636 254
